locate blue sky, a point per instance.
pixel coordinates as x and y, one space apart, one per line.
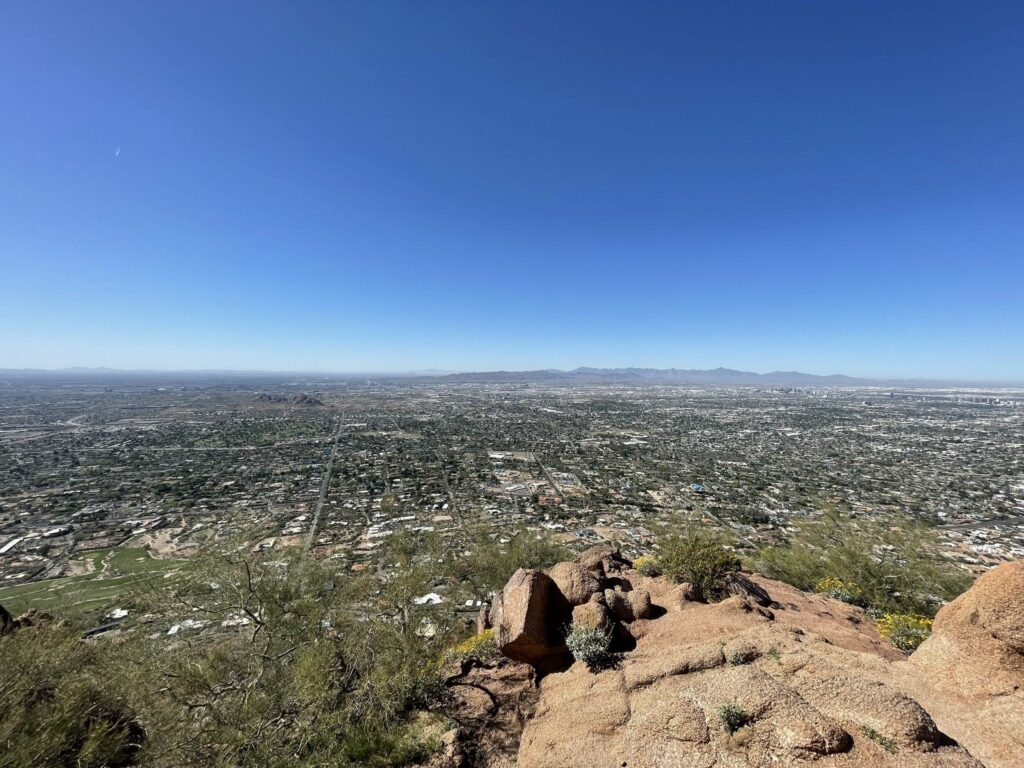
822 186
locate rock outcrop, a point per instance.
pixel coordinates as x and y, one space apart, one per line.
32 617
536 608
575 582
489 701
977 642
768 676
528 617
970 672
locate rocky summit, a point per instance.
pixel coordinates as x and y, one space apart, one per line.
769 676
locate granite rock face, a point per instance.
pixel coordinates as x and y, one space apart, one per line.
768 676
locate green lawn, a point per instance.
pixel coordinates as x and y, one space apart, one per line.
118 573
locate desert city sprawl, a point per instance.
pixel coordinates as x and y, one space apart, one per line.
107 480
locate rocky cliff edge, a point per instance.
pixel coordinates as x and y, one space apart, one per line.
770 676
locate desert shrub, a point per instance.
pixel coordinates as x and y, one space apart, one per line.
297 665
591 646
328 670
733 717
700 559
743 656
904 631
486 564
59 705
647 565
884 741
481 645
846 591
374 748
897 564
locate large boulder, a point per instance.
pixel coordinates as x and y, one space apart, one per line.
977 642
969 674
603 560
738 584
575 582
718 685
592 615
640 603
529 617
483 618
619 605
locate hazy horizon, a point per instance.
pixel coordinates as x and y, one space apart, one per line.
443 372
474 187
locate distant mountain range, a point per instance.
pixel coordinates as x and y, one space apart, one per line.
723 377
715 376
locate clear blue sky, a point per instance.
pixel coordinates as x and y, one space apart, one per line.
822 186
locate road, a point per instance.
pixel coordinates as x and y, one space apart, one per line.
324 486
444 476
547 474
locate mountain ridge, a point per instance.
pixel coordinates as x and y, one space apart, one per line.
719 376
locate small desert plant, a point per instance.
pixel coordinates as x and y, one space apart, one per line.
647 565
886 743
481 645
741 657
846 591
591 646
733 717
905 631
700 559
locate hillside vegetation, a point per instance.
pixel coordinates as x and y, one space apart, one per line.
246 659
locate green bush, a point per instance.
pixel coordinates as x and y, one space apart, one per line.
897 564
298 664
838 589
326 669
884 741
647 565
591 646
489 564
733 717
905 631
741 657
700 559
58 706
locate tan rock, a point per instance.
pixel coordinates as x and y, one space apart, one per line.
575 582
529 616
618 604
578 716
640 604
970 673
603 560
592 616
799 674
687 593
810 676
977 642
872 704
483 618
489 704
